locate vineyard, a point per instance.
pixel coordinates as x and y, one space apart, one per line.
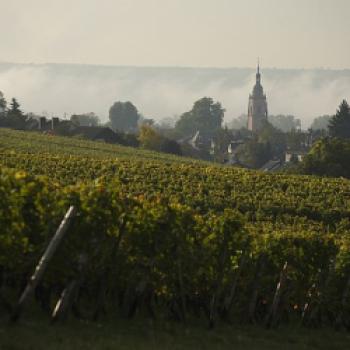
171 237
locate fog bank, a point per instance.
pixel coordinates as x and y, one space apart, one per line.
58 89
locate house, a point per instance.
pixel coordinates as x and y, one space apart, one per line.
201 141
294 156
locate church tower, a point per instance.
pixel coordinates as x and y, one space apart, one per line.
257 107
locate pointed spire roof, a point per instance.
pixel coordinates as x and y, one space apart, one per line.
258 89
258 72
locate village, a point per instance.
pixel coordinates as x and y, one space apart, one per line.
199 133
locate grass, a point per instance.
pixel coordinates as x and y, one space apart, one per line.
145 334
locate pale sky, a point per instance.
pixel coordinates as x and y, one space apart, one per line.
203 33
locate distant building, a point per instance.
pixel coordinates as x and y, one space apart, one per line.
294 156
272 165
202 141
257 107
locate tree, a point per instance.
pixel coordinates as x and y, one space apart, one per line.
3 103
88 119
253 153
150 139
339 125
124 116
14 107
285 123
222 139
296 140
239 122
3 106
205 116
328 157
274 137
170 146
321 123
15 117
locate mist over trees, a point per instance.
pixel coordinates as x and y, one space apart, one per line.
282 122
88 119
238 123
285 123
167 91
321 122
124 116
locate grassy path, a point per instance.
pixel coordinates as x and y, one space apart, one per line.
145 334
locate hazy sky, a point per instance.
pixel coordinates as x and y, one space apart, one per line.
220 33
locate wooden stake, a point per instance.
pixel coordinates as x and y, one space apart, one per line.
230 297
43 263
271 317
65 302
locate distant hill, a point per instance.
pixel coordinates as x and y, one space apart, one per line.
161 92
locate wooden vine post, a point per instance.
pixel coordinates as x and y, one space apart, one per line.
229 299
271 317
44 262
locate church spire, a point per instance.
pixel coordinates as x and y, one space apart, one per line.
258 72
257 107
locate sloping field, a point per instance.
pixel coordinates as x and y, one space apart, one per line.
163 235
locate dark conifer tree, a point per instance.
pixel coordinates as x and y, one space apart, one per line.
15 117
339 125
3 103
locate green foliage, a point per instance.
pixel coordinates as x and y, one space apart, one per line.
296 140
205 116
339 125
274 138
14 117
254 153
222 139
89 119
328 157
124 116
166 228
151 139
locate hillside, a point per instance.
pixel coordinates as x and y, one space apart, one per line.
172 237
206 185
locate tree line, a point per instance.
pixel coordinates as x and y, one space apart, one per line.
205 118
